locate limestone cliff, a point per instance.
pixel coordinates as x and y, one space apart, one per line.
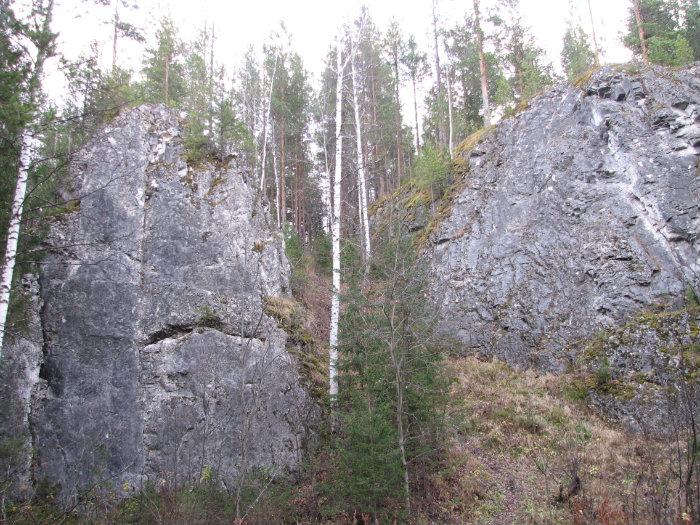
572 216
157 360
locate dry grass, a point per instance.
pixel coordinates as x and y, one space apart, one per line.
521 453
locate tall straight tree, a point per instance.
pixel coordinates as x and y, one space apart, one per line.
266 121
486 104
416 65
438 78
640 29
362 189
596 50
335 224
120 27
38 32
395 49
576 54
449 109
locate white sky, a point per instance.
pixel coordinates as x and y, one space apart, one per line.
313 24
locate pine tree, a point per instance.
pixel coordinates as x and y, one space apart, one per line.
195 100
162 67
576 55
658 30
395 49
393 401
530 72
416 65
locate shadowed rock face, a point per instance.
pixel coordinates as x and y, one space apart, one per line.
578 212
158 360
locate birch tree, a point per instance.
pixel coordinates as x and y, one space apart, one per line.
449 111
335 225
266 121
361 178
39 34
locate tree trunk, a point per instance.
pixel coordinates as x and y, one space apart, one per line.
399 141
211 82
397 362
482 66
438 77
595 40
13 231
277 179
361 179
114 37
449 111
266 119
640 27
335 227
376 155
415 112
283 175
25 157
166 79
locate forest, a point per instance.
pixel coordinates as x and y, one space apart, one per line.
328 156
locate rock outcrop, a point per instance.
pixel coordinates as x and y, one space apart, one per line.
574 215
158 361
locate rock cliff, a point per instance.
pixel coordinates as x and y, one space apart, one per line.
152 358
572 216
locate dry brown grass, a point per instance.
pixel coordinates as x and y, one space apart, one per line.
521 453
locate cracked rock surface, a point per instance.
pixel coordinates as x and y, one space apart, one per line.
158 362
576 213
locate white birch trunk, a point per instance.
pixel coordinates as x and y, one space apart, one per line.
335 228
362 186
25 158
449 111
267 119
8 267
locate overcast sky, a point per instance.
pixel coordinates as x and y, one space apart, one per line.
313 24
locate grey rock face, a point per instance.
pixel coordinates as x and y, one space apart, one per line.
159 363
578 212
19 377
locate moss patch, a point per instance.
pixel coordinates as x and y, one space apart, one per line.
293 318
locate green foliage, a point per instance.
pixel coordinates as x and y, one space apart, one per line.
672 50
321 250
393 385
577 57
432 168
294 249
691 298
164 76
671 30
603 376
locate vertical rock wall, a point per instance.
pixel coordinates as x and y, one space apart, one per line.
158 362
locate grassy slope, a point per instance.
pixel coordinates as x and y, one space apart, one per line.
520 445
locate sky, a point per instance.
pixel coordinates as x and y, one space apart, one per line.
313 25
